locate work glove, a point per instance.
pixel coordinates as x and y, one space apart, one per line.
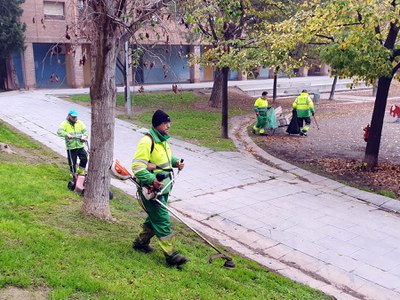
180 165
69 136
158 181
157 184
83 139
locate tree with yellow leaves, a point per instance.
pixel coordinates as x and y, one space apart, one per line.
359 38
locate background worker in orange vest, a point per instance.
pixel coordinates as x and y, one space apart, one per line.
304 108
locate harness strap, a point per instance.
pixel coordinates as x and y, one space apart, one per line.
152 142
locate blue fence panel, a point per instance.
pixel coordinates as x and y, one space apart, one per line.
17 61
165 64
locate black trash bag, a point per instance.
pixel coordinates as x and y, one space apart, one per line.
293 127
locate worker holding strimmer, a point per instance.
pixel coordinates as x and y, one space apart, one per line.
153 156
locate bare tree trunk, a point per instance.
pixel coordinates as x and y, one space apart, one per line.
374 139
106 30
103 94
216 94
224 123
333 88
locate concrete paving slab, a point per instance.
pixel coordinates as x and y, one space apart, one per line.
385 262
337 246
276 222
375 291
343 235
376 247
344 262
379 277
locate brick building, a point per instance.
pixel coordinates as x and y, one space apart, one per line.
49 59
52 60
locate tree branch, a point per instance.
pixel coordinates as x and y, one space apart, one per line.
378 31
396 53
121 8
325 37
211 23
318 43
202 28
396 68
130 26
392 36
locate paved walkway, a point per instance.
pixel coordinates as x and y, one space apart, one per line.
340 240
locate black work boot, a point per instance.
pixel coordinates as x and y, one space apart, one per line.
142 247
176 259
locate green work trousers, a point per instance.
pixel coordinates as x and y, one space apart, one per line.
261 121
261 124
157 223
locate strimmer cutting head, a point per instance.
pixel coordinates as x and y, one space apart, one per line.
229 264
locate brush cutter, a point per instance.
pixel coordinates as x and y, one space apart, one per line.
122 173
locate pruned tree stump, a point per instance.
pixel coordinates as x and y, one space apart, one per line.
5 148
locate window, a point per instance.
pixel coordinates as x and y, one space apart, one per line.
53 10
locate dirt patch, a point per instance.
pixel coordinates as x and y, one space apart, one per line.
14 293
32 156
39 154
5 148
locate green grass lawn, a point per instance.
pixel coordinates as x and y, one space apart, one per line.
45 242
188 122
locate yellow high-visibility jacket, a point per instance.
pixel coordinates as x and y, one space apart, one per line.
77 130
261 106
161 156
304 105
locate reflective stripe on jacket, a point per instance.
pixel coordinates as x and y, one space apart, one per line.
303 105
161 156
261 105
76 130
